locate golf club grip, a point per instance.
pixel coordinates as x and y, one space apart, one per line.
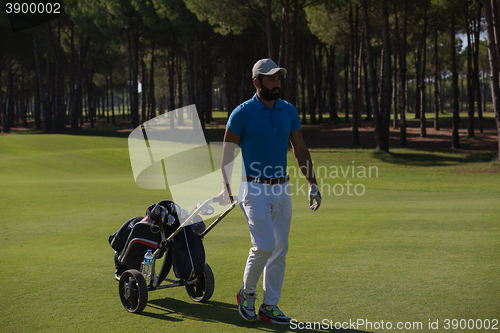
219 199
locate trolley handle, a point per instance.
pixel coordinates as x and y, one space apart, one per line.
217 220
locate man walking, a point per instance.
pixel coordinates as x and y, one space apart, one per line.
263 126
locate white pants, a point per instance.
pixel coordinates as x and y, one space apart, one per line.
268 209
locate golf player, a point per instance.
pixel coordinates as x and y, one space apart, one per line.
262 127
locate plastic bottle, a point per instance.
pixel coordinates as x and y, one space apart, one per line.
147 264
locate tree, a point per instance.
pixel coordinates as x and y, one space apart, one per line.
355 76
386 94
476 78
234 16
134 18
320 17
401 47
470 77
382 115
454 74
45 106
423 104
493 43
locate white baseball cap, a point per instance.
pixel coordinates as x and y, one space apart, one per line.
266 67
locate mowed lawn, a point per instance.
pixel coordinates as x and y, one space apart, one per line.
410 237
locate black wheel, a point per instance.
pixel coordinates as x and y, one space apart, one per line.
133 291
204 288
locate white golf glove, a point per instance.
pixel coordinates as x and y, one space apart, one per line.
314 195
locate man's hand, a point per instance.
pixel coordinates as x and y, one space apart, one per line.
225 196
314 195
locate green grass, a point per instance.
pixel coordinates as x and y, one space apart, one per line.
420 244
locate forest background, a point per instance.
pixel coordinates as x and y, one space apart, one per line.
364 65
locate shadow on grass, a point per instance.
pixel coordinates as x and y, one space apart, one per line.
424 158
173 310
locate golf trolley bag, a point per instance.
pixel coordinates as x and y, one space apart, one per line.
138 234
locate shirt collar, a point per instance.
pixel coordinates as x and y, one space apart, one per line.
260 105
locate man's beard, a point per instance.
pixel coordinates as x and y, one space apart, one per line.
269 94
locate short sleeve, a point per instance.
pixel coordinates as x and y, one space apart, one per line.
236 121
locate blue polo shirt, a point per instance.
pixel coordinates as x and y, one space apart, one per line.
264 135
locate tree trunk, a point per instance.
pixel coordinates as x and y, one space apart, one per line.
129 84
162 103
470 80
112 96
152 99
395 107
190 80
366 80
292 88
423 105
418 100
436 82
494 68
122 106
385 100
209 79
229 82
106 97
90 98
72 73
381 75
144 92
48 99
462 93
44 110
456 116
37 104
477 82
202 87
318 68
97 106
346 84
359 90
57 78
6 129
495 17
284 51
269 28
441 94
332 96
171 79
373 77
303 71
133 55
311 92
22 100
180 101
355 92
10 98
75 110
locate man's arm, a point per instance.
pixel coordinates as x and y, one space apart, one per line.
231 140
302 156
305 164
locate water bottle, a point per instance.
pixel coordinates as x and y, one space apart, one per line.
147 264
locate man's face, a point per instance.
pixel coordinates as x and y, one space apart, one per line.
270 86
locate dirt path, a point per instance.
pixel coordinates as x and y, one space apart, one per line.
340 136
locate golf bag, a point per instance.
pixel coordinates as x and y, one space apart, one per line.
186 252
